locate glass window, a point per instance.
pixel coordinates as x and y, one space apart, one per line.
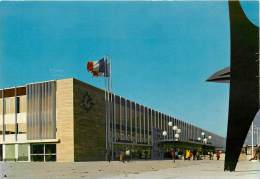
38 153
1 129
18 104
1 117
1 104
9 105
50 148
9 128
21 128
23 152
1 152
50 158
37 158
10 152
22 104
37 149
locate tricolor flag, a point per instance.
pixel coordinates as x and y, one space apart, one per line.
99 68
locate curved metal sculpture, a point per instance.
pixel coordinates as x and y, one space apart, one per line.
244 101
221 76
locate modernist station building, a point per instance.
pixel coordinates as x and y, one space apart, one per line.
65 121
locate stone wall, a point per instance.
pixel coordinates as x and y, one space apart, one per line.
89 122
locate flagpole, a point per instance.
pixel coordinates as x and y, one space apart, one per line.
108 121
106 111
108 98
108 105
111 116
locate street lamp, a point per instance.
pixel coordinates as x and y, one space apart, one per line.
175 135
164 134
174 128
176 132
205 138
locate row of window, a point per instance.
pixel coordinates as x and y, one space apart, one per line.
13 104
18 128
38 152
128 116
43 152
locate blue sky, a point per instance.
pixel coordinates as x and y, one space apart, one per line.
162 52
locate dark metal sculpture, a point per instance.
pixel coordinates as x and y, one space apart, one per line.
221 76
244 79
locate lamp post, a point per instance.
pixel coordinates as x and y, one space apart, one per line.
175 135
164 134
209 137
203 135
204 139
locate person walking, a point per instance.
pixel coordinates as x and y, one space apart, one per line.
109 156
187 154
218 155
190 155
254 155
199 153
122 157
176 154
212 155
173 153
182 154
258 153
194 154
127 155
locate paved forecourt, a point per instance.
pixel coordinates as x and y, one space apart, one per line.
135 169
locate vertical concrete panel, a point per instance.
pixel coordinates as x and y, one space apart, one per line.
64 120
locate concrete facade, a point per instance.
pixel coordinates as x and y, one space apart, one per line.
80 120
